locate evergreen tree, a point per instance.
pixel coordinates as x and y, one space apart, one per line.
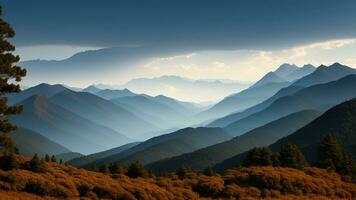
117 168
47 158
183 171
104 169
53 158
10 73
94 167
291 156
258 156
275 160
36 165
8 162
208 171
60 161
136 170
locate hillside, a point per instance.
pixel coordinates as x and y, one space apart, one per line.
338 121
242 100
103 112
315 97
112 94
29 142
262 136
65 127
176 143
301 72
84 160
66 182
270 77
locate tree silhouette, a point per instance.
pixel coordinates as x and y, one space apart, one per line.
8 162
104 169
258 156
47 158
136 170
117 168
291 156
208 171
182 171
10 73
36 165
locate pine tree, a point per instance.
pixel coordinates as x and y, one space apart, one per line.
208 171
10 73
36 165
291 156
47 158
94 167
258 156
136 170
275 160
117 168
104 169
60 161
183 171
53 158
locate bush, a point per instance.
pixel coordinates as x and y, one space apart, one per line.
8 162
35 187
258 156
291 156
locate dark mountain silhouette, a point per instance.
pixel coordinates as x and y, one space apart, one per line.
103 112
42 89
338 121
242 100
324 74
317 97
270 77
65 127
112 94
168 145
30 142
261 136
91 89
84 160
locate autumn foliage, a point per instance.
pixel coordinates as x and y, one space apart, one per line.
67 182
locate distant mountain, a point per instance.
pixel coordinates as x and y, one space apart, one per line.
91 89
112 94
261 136
242 100
185 89
324 74
65 127
168 145
103 112
42 89
317 97
184 107
29 142
84 160
270 77
285 70
300 72
338 121
224 121
292 72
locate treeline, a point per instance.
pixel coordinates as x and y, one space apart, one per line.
331 156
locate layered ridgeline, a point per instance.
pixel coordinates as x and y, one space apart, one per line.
262 136
165 146
65 127
292 72
338 121
317 97
326 74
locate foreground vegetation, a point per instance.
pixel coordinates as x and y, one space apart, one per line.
46 180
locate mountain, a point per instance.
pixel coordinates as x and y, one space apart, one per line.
42 89
317 97
285 69
300 72
91 89
67 156
261 136
242 100
172 144
224 121
85 160
338 121
30 142
65 127
292 72
185 89
112 94
324 74
103 112
270 77
184 107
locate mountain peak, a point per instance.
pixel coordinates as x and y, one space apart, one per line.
286 69
270 77
91 89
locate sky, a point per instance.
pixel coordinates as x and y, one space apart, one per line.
118 40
